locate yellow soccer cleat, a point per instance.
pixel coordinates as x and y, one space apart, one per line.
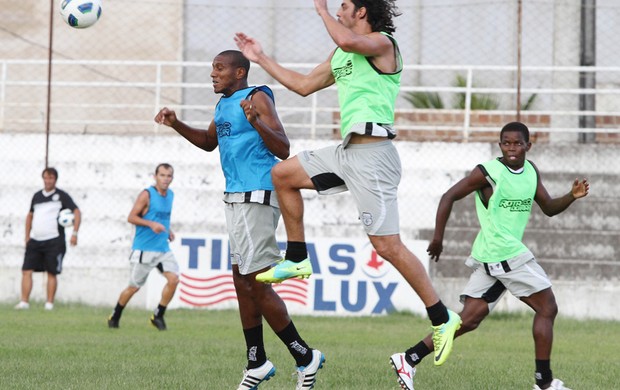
286 269
443 337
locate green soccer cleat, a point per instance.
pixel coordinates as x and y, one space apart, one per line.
158 322
286 269
443 337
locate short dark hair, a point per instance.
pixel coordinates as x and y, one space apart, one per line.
165 166
516 126
379 13
50 171
238 60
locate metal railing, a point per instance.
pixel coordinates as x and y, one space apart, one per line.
123 96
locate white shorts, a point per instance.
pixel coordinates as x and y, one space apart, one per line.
371 172
523 278
252 235
142 263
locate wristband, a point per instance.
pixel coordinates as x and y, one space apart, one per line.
74 234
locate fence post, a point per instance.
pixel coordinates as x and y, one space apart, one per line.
157 96
467 119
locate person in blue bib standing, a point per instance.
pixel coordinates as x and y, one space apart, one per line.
251 140
151 215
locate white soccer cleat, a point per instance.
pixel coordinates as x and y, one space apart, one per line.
306 376
404 370
22 306
253 377
49 306
556 384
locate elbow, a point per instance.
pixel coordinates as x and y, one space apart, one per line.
301 91
346 44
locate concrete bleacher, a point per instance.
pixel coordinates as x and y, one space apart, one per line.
104 174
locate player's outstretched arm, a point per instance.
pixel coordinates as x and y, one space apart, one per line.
319 78
553 206
370 44
204 139
461 189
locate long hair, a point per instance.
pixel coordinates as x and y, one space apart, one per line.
380 14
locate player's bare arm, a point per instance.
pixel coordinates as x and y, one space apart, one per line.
356 35
553 206
77 220
261 113
28 226
320 77
475 181
204 139
138 210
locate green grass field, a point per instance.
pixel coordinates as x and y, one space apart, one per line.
72 348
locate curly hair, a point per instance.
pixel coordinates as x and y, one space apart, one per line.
380 13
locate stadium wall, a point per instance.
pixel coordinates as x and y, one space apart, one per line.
104 174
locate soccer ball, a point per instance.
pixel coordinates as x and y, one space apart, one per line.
80 13
65 218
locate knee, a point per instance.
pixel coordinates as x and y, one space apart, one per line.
550 310
242 284
470 324
132 289
173 280
387 251
277 175
259 291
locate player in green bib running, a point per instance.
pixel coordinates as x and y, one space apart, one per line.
505 189
366 68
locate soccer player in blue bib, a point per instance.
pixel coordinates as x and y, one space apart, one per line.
151 215
251 141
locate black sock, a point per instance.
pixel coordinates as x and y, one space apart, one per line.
543 373
159 312
296 251
118 311
296 345
415 354
438 313
255 347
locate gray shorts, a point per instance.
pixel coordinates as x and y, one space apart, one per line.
522 276
252 235
371 172
142 263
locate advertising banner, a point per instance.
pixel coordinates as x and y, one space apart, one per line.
349 278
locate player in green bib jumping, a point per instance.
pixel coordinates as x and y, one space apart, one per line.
366 68
505 189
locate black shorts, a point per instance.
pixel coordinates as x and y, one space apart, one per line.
45 255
